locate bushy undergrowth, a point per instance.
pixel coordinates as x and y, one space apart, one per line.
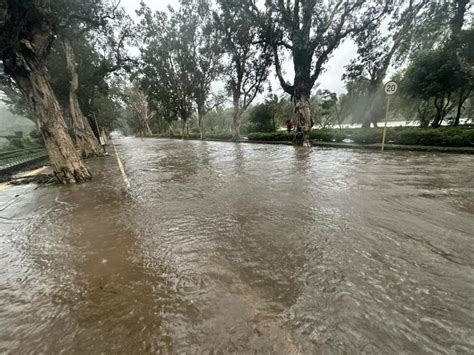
219 135
279 136
445 136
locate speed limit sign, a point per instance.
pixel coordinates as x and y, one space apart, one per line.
390 88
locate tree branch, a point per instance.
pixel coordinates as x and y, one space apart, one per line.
289 89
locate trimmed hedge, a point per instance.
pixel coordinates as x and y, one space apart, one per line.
280 136
325 135
328 135
220 135
444 136
440 137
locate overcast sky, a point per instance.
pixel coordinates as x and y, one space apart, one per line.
330 79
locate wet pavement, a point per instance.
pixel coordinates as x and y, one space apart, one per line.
242 248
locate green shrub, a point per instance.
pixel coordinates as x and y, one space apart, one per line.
219 135
328 135
367 136
36 138
271 136
17 143
324 135
445 136
339 136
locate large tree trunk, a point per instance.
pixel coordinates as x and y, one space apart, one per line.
236 120
148 131
463 95
301 95
85 139
29 43
441 105
184 128
67 165
237 114
304 122
202 123
422 113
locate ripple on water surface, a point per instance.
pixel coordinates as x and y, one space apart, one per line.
244 248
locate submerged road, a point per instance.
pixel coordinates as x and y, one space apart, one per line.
245 248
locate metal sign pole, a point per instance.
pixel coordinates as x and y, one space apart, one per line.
390 89
386 120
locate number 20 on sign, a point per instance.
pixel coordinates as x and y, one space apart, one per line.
390 89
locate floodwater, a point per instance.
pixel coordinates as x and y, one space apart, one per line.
243 248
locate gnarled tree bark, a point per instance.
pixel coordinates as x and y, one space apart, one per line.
85 139
26 41
236 120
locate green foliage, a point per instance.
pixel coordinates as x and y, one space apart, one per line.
357 99
431 75
36 138
325 135
446 136
367 136
17 143
250 58
261 118
443 75
220 135
280 136
25 143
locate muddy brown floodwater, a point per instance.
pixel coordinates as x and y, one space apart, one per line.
221 247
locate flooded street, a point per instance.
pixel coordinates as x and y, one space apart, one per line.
245 248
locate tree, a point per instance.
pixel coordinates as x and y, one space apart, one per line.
166 76
84 136
328 108
284 111
199 38
138 110
377 51
433 76
248 63
90 21
461 45
261 118
310 30
27 33
465 57
355 101
446 74
275 104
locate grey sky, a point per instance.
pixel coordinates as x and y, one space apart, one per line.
330 79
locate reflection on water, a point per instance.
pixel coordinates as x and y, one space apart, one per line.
221 247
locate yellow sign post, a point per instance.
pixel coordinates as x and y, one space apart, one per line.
390 89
